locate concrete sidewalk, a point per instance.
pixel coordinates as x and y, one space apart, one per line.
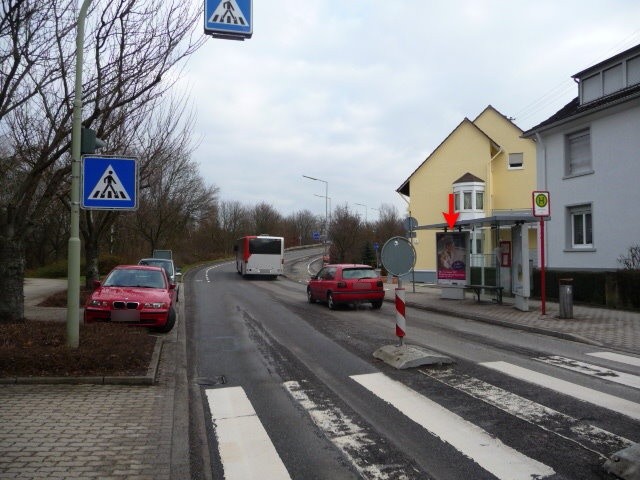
607 328
62 431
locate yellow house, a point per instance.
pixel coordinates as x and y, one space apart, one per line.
491 172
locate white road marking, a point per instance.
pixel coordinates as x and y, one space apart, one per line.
610 402
490 453
245 448
587 436
593 370
348 437
616 357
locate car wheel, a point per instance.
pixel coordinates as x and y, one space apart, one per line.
330 303
171 321
376 304
310 298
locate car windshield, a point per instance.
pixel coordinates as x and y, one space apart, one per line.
135 278
358 273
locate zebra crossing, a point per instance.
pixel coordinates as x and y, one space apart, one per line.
240 434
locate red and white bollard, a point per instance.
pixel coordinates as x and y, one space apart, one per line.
401 321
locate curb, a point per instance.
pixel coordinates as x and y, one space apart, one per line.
148 379
517 326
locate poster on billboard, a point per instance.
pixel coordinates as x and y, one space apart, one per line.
452 250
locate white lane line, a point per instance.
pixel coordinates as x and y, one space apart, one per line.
345 434
616 357
490 453
610 402
627 379
587 436
245 448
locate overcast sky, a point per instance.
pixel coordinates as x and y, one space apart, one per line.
359 92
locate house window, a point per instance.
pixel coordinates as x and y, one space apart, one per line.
479 200
613 79
457 201
578 146
581 226
591 88
633 71
516 160
467 201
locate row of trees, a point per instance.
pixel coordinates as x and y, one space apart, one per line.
134 50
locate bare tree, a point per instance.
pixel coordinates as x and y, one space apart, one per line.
266 220
133 50
299 227
345 232
388 224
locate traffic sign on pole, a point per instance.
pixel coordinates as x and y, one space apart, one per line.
109 183
232 19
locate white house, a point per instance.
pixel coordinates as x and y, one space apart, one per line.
588 158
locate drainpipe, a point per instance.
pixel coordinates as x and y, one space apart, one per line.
544 160
490 209
490 180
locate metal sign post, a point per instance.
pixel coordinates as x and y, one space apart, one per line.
398 258
542 209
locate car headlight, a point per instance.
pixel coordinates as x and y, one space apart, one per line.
98 303
155 305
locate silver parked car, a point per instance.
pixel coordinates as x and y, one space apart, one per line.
173 273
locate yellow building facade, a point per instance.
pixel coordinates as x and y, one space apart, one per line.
489 169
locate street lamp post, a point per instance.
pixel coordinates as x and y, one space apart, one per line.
365 212
322 196
326 208
73 267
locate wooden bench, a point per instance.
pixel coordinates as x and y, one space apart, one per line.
477 289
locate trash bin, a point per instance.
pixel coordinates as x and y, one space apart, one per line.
566 297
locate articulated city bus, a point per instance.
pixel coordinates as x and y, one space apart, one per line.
260 255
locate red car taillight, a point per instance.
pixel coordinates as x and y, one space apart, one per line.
379 283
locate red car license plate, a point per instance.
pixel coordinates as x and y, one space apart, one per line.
363 286
125 315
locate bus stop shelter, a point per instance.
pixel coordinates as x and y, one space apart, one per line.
518 223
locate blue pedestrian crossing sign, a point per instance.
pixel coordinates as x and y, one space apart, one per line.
228 18
109 183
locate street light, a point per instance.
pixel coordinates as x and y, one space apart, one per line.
365 211
73 261
326 208
329 198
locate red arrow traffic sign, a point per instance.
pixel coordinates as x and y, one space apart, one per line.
452 216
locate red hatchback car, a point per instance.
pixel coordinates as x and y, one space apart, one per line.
134 295
346 283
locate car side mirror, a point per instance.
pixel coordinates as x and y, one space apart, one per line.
96 284
172 286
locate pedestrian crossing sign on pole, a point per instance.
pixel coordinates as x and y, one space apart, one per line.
230 19
109 183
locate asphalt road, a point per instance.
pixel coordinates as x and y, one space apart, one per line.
285 389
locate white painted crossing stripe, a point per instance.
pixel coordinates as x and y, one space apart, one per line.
343 432
490 453
587 436
610 402
245 448
616 357
593 370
